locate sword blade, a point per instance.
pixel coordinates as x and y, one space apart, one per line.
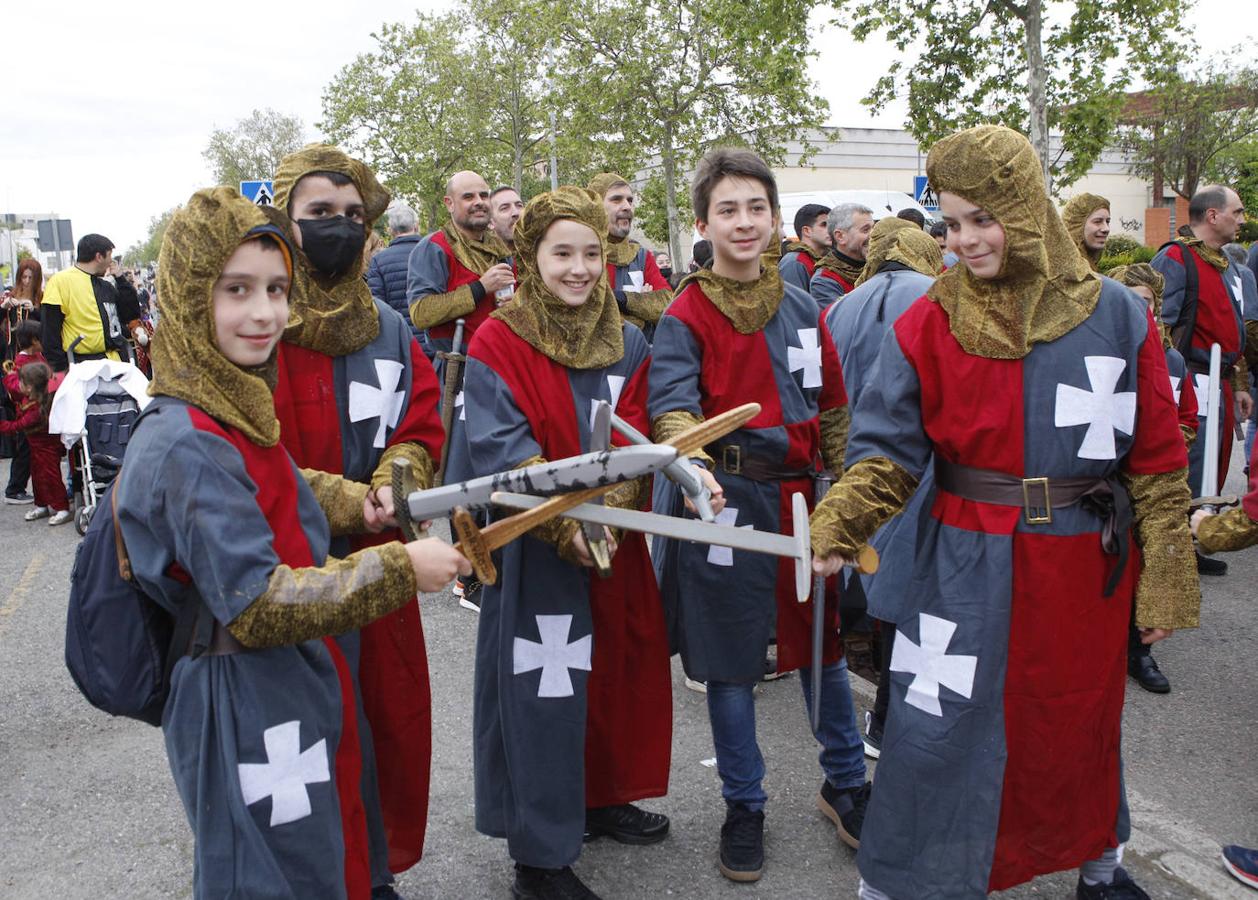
1214 426
668 526
555 477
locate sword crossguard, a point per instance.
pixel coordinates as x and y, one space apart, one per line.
602 558
1219 502
403 483
472 545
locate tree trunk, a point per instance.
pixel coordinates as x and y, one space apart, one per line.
668 154
517 165
1037 84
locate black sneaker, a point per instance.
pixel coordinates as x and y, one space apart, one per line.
872 738
771 672
742 844
18 499
1207 565
549 884
846 809
384 892
1144 669
625 823
468 592
1121 888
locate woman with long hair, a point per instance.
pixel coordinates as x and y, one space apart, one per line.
22 302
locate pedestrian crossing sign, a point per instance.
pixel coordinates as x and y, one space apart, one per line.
924 194
260 193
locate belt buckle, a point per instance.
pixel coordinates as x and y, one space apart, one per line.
732 459
1036 515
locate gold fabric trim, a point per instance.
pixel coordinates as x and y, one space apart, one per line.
749 305
896 240
666 426
421 467
1168 594
340 499
835 424
870 493
1230 530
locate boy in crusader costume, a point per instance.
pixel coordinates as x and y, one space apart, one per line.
735 334
1087 218
1040 391
355 392
260 729
563 746
1146 283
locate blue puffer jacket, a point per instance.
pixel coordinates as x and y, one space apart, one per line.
386 275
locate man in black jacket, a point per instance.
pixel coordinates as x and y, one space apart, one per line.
386 275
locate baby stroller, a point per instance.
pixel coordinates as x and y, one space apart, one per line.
94 411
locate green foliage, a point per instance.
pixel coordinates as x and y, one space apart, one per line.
651 215
1121 243
1139 254
23 253
1237 166
972 64
147 250
1198 127
253 147
665 80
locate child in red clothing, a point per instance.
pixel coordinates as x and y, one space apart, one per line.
32 418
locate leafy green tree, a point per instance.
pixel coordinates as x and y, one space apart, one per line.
253 147
1191 129
147 250
1033 65
663 80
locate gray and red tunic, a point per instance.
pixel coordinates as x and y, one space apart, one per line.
728 603
1007 679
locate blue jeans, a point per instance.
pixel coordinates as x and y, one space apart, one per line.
732 712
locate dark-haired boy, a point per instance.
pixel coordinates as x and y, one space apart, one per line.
736 334
355 392
800 256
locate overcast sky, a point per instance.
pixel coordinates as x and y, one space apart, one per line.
108 108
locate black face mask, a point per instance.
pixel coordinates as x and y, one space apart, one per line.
332 245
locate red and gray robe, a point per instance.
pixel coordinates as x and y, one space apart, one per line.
339 415
1001 755
728 603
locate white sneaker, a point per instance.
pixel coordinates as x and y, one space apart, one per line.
697 686
38 512
873 743
61 517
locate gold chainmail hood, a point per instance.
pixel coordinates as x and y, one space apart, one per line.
620 251
1044 288
1075 214
479 256
749 305
1144 275
187 363
897 240
1214 257
583 337
844 266
336 317
801 247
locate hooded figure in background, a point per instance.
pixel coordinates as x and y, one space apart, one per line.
354 393
1038 393
1086 217
556 762
214 512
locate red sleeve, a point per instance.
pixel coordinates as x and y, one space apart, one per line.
833 392
1158 445
421 424
13 387
652 275
27 419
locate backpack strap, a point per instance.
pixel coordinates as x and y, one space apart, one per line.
1186 324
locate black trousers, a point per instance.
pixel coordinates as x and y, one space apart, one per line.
883 697
20 468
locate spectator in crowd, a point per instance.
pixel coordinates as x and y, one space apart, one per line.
909 214
386 274
80 302
505 207
22 302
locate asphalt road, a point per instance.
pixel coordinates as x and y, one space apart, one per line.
88 810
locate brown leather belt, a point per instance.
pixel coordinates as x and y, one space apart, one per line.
1038 497
732 459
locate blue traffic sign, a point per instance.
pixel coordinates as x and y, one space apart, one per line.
924 195
261 193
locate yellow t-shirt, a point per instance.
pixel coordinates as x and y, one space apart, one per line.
71 289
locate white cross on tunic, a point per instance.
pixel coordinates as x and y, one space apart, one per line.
458 404
615 387
806 358
1176 381
1101 409
383 403
1201 384
724 556
285 774
636 283
931 664
554 655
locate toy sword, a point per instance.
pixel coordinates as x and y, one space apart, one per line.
1214 431
679 472
595 536
821 484
454 360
